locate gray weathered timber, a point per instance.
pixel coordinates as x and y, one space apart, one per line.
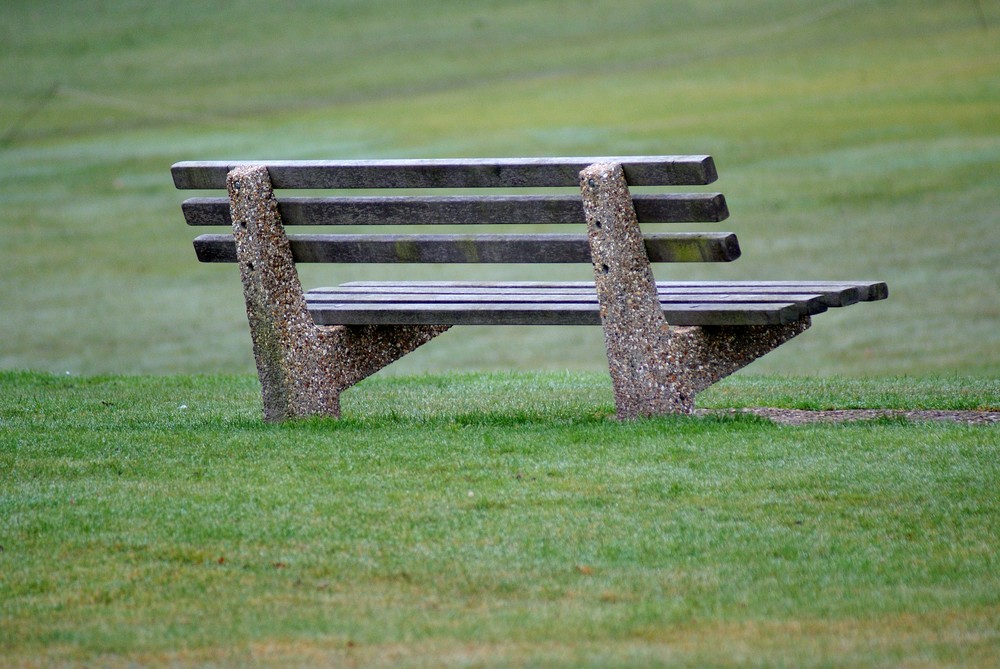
533 313
866 291
448 173
461 210
508 248
810 300
511 292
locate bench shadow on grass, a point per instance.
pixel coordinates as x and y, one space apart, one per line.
503 400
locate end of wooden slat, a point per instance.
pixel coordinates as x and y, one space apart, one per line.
815 306
202 211
708 170
181 175
731 248
669 171
215 248
795 312
878 290
200 175
842 298
721 207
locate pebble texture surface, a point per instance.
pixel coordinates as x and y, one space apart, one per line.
655 368
303 367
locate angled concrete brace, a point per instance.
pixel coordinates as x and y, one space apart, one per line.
655 368
303 367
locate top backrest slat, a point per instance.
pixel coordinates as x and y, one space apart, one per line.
450 173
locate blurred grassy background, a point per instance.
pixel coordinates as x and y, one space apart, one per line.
854 140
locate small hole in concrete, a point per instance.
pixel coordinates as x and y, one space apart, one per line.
605 269
597 224
250 266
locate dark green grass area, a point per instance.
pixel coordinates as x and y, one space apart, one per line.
491 520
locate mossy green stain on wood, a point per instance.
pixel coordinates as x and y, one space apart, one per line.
407 250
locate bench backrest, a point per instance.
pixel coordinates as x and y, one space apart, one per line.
457 209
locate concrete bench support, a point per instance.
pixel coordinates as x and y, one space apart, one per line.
655 368
303 367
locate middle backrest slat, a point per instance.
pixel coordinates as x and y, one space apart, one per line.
462 210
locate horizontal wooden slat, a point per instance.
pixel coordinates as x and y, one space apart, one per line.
525 248
575 302
462 210
808 303
565 313
450 173
813 300
845 291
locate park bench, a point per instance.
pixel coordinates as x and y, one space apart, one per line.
665 341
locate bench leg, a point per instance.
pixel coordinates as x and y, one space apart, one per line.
303 367
655 368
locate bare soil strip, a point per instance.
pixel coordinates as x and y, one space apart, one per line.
805 416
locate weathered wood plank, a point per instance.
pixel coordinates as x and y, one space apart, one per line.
838 297
462 210
450 173
542 314
815 303
867 291
525 248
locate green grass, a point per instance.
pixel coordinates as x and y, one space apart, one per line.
854 140
492 520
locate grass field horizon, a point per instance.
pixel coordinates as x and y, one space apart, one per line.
854 140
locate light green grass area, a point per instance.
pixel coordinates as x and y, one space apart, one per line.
492 520
854 140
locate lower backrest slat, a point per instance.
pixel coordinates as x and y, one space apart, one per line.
524 248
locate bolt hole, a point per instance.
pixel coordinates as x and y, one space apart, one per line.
597 224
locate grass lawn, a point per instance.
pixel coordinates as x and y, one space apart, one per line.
493 520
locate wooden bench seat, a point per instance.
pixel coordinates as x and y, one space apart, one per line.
576 303
665 340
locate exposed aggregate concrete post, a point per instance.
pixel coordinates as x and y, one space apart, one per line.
655 368
303 367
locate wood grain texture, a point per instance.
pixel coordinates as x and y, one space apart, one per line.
524 248
575 302
449 173
846 291
542 313
462 210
